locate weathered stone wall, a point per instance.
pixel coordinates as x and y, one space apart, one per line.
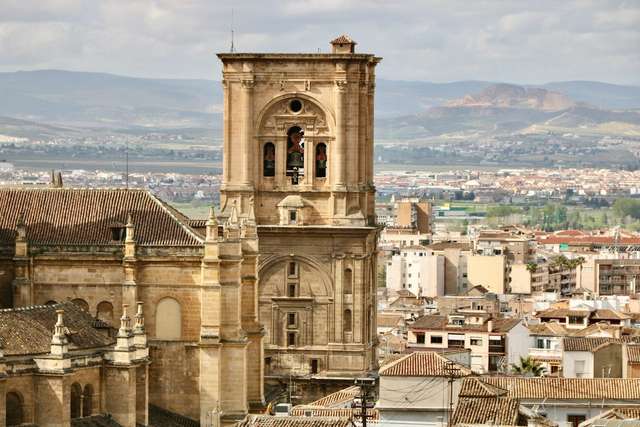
174 377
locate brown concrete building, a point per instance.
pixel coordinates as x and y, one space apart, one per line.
414 214
308 120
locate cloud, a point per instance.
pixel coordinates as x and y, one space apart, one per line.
436 40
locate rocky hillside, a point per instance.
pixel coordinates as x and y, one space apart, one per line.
512 96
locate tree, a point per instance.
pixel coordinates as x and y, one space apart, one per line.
532 267
528 367
627 207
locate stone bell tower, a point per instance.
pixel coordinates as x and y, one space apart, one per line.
298 155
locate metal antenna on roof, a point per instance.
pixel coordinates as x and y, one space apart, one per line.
233 49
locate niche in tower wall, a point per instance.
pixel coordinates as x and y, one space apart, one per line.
295 153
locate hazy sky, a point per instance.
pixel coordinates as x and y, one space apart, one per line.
437 40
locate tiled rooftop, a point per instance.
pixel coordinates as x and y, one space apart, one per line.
556 388
26 331
75 216
422 364
494 411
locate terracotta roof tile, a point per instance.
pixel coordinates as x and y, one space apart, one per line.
436 322
80 216
592 343
421 364
292 421
314 411
337 399
559 388
633 353
343 39
494 411
28 330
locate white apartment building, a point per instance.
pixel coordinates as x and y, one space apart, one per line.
418 270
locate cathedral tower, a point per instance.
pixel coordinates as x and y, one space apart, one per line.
298 157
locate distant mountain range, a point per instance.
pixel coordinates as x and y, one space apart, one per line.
66 101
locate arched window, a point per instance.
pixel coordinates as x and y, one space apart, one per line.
15 411
321 160
105 312
75 401
168 320
347 321
87 401
269 159
295 151
81 303
347 284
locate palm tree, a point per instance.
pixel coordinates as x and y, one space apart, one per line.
532 267
528 367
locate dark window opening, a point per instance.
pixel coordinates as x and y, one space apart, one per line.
348 282
293 217
291 290
321 160
420 338
295 106
269 160
291 320
295 152
347 321
15 412
315 366
118 234
436 339
75 401
291 339
292 269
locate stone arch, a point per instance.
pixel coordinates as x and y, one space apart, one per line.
81 304
281 101
270 266
87 400
104 312
75 401
15 409
168 319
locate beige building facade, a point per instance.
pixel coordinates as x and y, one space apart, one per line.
298 143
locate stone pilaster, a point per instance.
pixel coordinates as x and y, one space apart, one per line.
248 154
22 284
129 286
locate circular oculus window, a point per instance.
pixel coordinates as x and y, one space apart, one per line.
295 105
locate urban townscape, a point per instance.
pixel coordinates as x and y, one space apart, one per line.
307 241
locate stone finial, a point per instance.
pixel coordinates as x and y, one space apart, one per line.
125 323
21 228
139 323
232 226
233 217
212 225
59 342
130 229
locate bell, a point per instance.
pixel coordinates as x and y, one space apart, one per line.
295 160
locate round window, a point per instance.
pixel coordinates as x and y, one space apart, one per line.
295 106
